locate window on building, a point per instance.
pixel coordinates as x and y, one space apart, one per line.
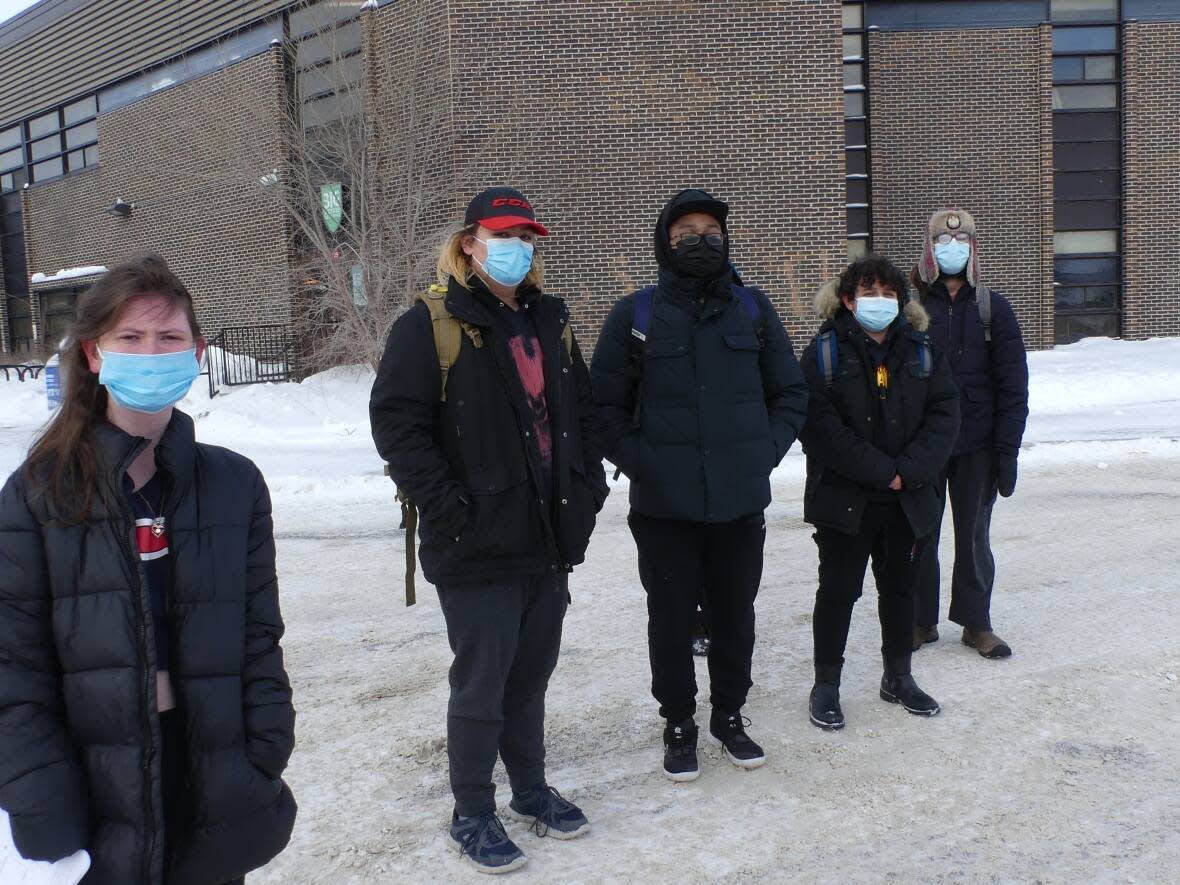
856 131
57 312
20 324
328 62
1087 161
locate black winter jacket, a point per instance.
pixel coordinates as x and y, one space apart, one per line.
79 735
468 463
992 382
721 404
845 465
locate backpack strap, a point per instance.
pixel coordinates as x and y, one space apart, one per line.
753 309
983 295
641 315
925 359
827 355
448 333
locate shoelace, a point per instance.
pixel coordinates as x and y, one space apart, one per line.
736 726
546 804
492 825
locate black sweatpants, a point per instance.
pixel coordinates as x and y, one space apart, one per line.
885 536
970 479
505 635
677 559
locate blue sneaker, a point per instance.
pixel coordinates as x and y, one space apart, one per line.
484 844
548 813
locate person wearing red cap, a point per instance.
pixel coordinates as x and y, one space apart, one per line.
494 448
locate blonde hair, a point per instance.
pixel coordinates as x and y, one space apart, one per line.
454 262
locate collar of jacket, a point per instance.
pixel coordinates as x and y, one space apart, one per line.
693 288
176 451
475 305
939 290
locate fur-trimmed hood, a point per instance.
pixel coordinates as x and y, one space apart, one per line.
828 304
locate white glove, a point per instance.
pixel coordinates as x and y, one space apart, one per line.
16 870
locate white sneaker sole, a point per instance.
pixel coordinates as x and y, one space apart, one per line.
495 871
682 777
747 764
511 812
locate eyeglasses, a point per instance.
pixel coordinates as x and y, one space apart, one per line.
961 236
693 239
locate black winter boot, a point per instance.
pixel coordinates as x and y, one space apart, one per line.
824 703
898 687
680 750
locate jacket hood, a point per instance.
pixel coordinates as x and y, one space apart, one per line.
828 304
690 200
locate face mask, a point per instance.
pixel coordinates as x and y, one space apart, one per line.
952 257
508 260
700 261
875 314
148 382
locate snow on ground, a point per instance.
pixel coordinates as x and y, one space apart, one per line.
1060 764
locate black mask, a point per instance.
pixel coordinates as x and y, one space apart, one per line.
700 260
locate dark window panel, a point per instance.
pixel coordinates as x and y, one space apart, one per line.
48 169
92 155
1071 327
1073 98
75 160
1068 68
1083 10
856 163
854 104
46 147
7 182
337 43
1102 297
854 74
81 110
857 191
1091 126
11 159
853 16
1069 298
1086 270
1101 67
855 132
1087 185
854 46
1080 156
858 221
1086 214
1101 39
43 125
10 205
81 135
10 138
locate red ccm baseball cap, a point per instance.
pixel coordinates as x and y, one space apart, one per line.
500 207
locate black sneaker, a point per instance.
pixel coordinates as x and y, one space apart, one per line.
548 813
680 750
823 706
484 844
900 688
728 730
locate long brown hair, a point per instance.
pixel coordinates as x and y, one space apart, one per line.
63 463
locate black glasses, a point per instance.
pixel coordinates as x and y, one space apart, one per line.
943 239
693 239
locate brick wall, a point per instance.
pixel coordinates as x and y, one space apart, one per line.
981 141
190 158
601 111
1151 157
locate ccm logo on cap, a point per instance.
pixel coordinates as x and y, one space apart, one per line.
511 201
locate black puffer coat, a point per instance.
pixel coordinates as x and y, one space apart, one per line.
856 442
722 401
468 463
992 379
79 736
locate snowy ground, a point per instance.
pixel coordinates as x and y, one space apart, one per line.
1061 764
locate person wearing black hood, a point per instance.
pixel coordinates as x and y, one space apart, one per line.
698 396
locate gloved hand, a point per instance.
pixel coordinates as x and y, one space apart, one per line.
1006 474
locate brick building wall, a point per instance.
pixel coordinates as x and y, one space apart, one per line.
1151 157
981 141
190 159
601 111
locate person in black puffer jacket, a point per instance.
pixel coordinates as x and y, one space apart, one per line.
881 421
697 416
505 473
145 713
992 377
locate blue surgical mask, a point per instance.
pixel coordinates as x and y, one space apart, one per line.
148 382
952 257
509 259
875 313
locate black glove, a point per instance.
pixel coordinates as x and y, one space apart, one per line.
1006 474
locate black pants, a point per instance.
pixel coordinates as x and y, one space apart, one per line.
171 778
885 536
970 479
676 559
505 636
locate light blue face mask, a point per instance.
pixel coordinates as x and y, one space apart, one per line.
874 313
509 259
148 382
952 257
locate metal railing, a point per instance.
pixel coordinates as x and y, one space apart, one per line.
240 355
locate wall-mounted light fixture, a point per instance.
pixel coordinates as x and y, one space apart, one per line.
120 208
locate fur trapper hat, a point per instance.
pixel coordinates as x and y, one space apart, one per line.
948 221
828 304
